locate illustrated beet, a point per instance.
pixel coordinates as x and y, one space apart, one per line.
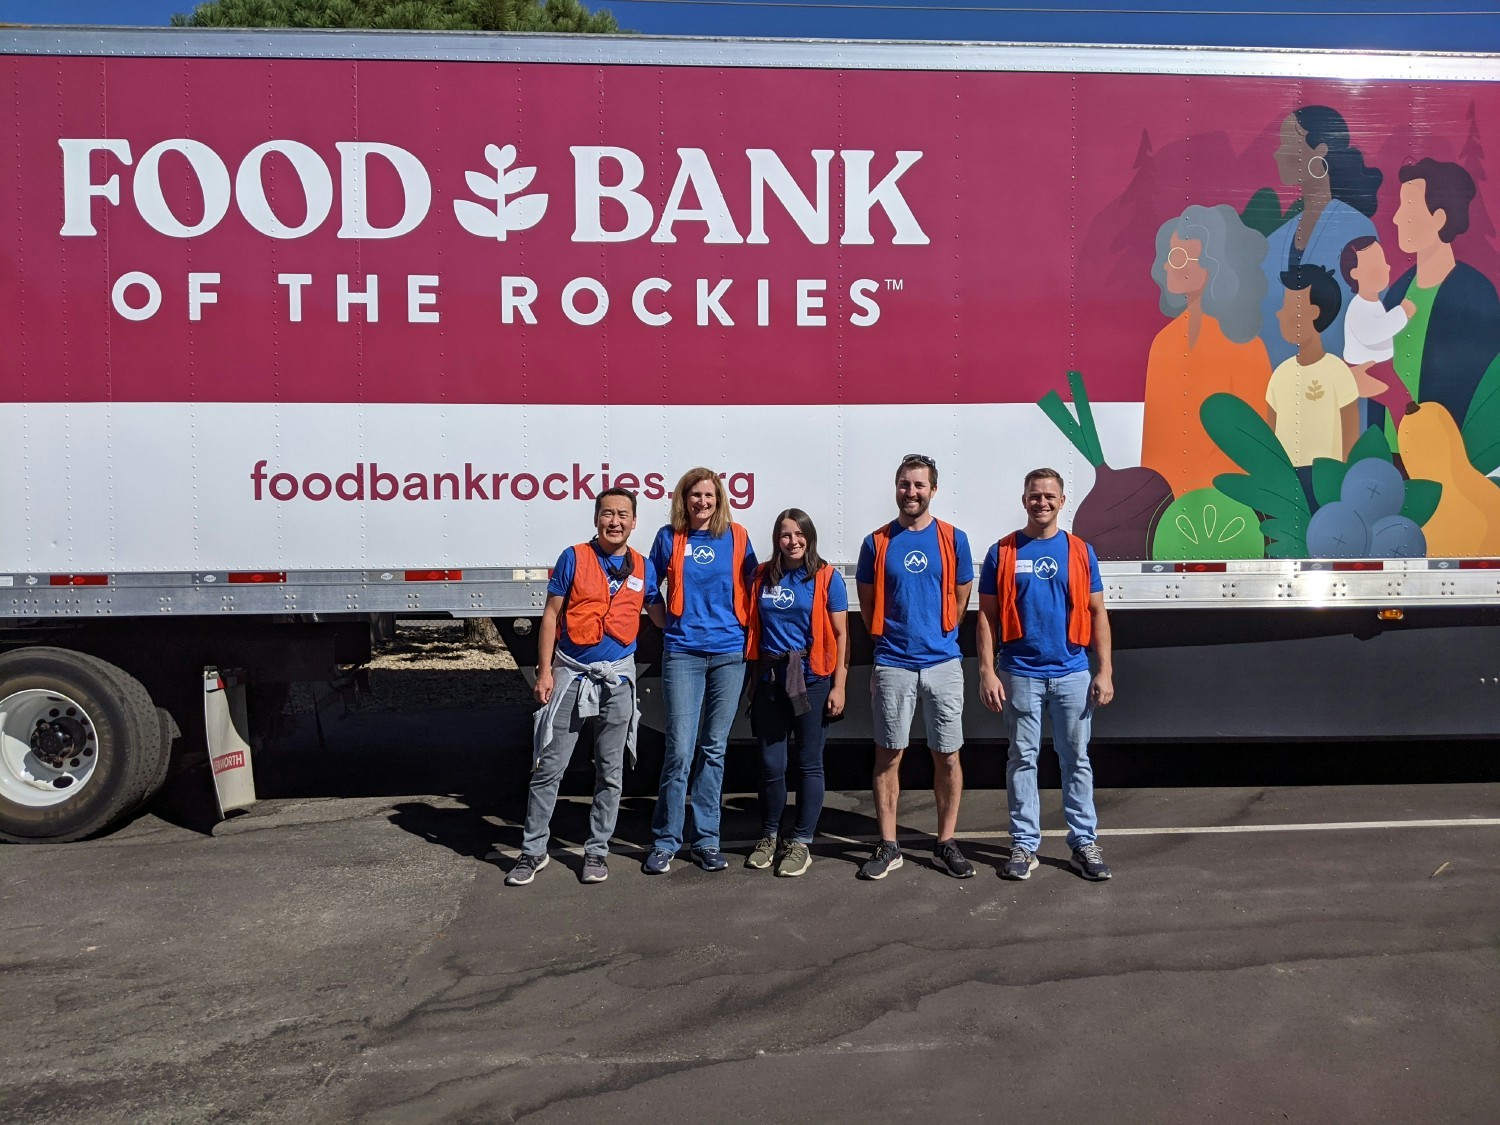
1119 515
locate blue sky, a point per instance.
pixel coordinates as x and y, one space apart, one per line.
1454 25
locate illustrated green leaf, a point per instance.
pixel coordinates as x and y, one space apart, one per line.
1371 443
1286 539
1095 451
1053 406
1422 498
1481 427
1328 479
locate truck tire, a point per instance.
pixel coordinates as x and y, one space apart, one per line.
80 745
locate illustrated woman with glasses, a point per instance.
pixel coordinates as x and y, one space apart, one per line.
1208 267
1337 202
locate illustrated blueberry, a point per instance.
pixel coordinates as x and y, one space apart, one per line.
1374 488
1337 531
1396 537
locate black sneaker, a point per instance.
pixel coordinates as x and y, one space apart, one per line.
886 859
1088 861
595 869
950 859
1020 865
525 869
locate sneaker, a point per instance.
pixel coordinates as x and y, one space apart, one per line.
1088 861
710 859
595 869
794 861
763 855
525 869
886 859
950 859
1020 865
659 862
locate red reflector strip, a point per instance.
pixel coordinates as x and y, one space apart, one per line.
254 576
80 580
1361 564
1201 568
1479 564
434 575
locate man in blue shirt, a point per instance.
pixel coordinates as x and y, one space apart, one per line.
586 672
914 578
1041 599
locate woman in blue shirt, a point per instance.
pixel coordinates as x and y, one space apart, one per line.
706 563
798 640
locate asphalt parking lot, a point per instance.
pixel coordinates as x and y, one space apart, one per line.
1264 953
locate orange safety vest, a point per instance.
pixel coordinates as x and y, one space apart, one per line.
741 545
592 612
1080 618
823 653
948 557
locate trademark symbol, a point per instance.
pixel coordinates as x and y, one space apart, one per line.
895 284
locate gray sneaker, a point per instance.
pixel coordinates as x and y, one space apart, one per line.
886 859
595 869
1020 865
1088 861
948 858
525 869
763 855
794 861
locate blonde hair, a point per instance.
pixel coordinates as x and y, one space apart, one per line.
719 522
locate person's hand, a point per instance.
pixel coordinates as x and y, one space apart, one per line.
835 705
991 690
1408 308
542 692
1102 690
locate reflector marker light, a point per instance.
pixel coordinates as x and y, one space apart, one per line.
257 576
1479 564
1360 564
79 580
1201 568
434 576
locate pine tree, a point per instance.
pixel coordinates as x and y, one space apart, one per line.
416 15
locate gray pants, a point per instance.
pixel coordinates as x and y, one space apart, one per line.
616 705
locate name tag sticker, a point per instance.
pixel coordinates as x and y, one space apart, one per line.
635 582
1023 566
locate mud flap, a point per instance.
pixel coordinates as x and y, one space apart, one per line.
224 719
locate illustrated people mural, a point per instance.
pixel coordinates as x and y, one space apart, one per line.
1369 327
1454 329
1338 197
1208 268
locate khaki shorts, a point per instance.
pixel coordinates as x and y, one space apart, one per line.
893 701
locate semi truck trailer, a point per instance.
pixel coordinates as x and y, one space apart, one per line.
303 328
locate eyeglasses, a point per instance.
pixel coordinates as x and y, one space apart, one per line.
920 459
1177 257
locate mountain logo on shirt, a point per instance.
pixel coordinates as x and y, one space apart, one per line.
782 597
703 554
1045 569
915 561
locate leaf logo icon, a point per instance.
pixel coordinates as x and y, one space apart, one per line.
1314 391
507 214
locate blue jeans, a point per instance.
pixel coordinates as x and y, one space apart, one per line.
1065 700
702 692
771 715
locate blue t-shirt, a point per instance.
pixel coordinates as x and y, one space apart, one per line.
786 613
562 581
708 623
914 636
1044 651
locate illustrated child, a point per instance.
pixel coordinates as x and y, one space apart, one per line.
1313 397
1369 327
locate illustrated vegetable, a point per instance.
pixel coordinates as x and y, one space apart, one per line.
1269 484
1206 524
1119 515
1467 519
